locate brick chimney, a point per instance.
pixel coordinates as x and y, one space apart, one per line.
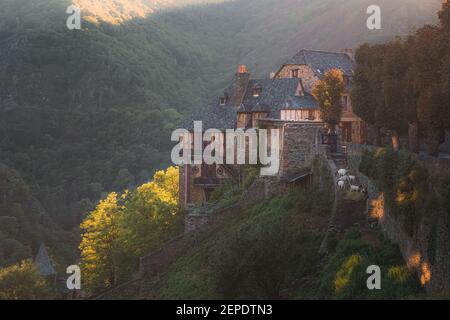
240 85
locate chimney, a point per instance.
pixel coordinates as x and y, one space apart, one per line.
240 85
348 52
242 69
272 75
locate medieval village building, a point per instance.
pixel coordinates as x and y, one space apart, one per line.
284 101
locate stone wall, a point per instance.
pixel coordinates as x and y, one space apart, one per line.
263 188
434 271
305 73
299 148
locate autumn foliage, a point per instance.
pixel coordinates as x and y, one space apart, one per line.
328 93
125 226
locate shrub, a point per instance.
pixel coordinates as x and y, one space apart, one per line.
23 282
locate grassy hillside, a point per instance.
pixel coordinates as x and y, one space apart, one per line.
271 252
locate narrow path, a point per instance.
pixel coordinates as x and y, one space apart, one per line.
349 208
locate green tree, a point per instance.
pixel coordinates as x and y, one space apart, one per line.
444 16
328 92
99 243
367 87
427 54
23 282
124 227
391 112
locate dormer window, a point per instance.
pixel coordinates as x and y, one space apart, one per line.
223 100
345 103
256 92
294 73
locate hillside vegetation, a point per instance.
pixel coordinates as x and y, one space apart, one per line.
271 252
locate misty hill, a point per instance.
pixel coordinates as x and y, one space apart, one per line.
84 112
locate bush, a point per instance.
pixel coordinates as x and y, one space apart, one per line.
264 254
344 276
23 282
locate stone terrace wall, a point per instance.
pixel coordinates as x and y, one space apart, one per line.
300 147
434 272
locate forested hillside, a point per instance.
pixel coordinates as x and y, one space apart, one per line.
85 112
24 223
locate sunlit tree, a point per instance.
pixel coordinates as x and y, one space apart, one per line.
22 281
98 244
124 227
328 93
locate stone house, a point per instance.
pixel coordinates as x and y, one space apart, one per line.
283 101
309 66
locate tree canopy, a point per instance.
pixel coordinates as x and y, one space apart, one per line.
328 93
405 83
123 227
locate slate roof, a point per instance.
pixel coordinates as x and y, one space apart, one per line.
214 115
43 263
276 94
322 61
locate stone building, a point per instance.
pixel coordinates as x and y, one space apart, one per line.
309 67
283 101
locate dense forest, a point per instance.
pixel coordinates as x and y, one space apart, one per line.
408 78
87 112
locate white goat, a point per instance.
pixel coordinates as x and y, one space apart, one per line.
342 172
354 188
352 178
341 184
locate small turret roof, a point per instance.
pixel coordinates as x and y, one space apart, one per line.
43 262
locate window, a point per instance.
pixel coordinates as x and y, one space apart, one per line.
256 92
291 115
345 103
294 73
224 99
